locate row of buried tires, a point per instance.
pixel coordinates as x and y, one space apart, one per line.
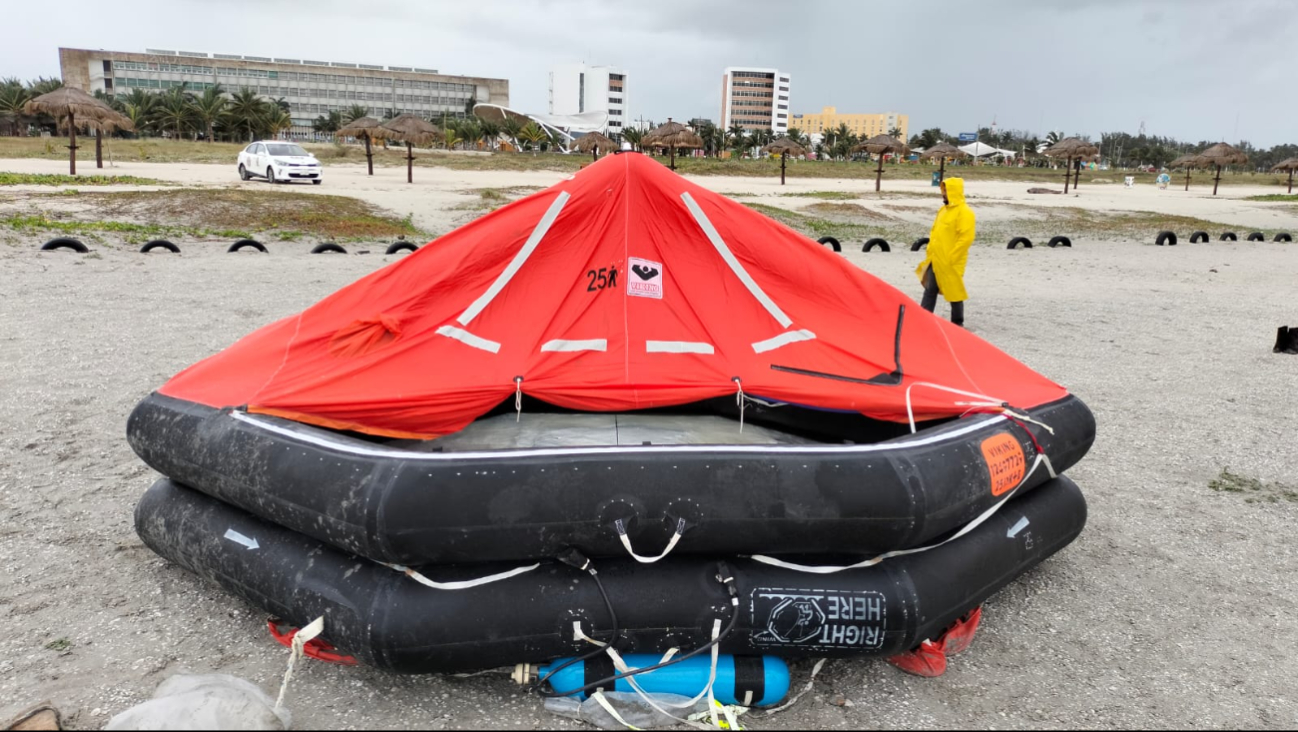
1168 238
883 246
326 247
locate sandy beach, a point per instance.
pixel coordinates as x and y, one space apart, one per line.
1175 608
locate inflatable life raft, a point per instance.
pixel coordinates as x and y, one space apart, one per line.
591 482
389 620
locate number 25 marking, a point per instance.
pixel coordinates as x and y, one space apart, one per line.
601 278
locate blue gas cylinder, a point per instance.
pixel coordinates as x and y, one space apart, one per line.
755 681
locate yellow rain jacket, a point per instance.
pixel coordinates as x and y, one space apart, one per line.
948 243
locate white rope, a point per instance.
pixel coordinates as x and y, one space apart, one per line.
739 400
462 584
1041 460
518 398
910 411
622 668
626 542
295 651
814 671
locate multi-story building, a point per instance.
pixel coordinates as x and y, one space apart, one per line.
861 125
578 88
310 88
755 99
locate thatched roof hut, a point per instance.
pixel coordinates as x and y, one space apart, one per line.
1072 149
595 143
1188 162
1290 165
1221 155
71 108
411 130
942 151
672 135
881 145
363 128
784 147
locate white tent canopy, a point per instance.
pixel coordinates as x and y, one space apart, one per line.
566 126
978 150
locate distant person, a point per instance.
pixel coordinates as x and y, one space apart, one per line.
948 252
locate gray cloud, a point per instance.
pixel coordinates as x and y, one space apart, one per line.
1195 69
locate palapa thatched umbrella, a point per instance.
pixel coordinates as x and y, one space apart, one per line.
1189 162
118 121
942 151
1290 165
362 128
411 130
881 145
1219 155
595 143
71 107
671 136
784 147
1072 149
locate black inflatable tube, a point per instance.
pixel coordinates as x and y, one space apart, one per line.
390 621
1198 237
1257 236
1229 236
401 246
409 507
64 243
876 242
159 244
1060 241
1166 237
328 247
1027 244
919 244
831 241
244 243
1283 236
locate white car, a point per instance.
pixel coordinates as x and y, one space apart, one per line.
278 162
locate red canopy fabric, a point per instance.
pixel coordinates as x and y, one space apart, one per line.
625 287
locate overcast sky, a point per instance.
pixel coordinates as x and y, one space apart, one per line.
1193 69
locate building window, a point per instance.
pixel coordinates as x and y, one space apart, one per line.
108 66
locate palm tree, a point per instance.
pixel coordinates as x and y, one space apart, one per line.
278 120
471 132
795 136
247 111
1054 137
738 140
42 85
533 134
12 98
175 110
633 135
761 138
328 124
451 138
209 108
490 132
511 127
354 113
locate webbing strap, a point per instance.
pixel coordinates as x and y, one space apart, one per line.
626 542
462 584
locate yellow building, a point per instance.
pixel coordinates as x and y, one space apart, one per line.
862 125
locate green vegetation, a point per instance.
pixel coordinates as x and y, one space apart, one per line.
827 195
43 179
62 644
490 199
1278 197
220 213
1256 490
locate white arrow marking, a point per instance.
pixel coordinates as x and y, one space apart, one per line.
238 538
1016 528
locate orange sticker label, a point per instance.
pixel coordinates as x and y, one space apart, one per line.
1005 462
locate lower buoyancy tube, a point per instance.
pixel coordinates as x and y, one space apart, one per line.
390 619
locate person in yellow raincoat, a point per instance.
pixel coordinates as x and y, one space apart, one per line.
948 251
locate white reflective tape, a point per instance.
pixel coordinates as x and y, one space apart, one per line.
1016 528
735 266
517 262
678 347
783 339
594 344
468 339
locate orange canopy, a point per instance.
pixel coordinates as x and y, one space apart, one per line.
625 287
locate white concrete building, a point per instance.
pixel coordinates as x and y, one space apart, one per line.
755 99
578 89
